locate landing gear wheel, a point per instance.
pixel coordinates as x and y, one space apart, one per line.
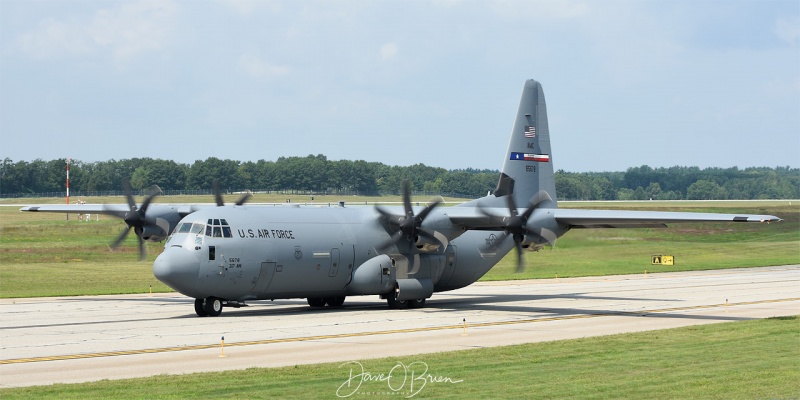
316 301
198 308
335 301
418 303
396 304
212 306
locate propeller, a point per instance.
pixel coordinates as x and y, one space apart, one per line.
218 195
136 218
516 225
407 227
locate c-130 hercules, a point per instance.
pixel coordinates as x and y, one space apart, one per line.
226 255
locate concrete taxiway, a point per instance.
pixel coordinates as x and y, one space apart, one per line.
78 339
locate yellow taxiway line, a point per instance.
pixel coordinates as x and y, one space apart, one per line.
373 333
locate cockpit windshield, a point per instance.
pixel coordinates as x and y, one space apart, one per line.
188 227
218 228
213 228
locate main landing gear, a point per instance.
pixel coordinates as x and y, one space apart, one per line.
401 304
322 301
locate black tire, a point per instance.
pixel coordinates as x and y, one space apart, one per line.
396 304
418 303
316 301
335 301
198 308
212 306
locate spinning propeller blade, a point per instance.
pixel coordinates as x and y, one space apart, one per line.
218 195
406 227
516 225
136 218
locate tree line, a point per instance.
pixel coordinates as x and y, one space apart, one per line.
317 174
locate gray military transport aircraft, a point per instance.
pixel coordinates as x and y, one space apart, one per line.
226 255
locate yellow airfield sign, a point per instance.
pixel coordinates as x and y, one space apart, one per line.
663 260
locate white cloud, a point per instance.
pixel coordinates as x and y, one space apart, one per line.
541 10
257 68
52 38
388 51
250 7
124 32
133 28
788 30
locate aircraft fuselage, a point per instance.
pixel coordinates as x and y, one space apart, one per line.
241 253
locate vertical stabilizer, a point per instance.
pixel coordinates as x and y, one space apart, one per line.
528 167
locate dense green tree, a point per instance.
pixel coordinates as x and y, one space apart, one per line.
316 173
706 190
202 174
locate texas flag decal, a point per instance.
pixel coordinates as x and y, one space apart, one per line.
530 157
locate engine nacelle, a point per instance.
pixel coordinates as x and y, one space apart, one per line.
375 276
427 245
442 229
153 233
545 223
414 289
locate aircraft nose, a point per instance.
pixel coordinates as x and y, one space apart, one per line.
178 268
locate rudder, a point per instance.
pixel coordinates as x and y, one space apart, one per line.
528 166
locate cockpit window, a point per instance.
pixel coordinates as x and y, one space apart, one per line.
218 228
188 227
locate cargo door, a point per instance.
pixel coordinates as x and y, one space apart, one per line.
264 278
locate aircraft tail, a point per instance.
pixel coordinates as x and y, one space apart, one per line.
528 166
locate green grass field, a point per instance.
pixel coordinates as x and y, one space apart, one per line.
44 255
757 359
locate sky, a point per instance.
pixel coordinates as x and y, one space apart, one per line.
627 83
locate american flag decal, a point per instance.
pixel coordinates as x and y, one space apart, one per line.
530 132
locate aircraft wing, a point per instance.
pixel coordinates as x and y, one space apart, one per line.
645 219
471 219
118 210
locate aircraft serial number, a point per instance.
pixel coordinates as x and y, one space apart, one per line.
266 234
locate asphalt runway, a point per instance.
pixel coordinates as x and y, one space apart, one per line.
78 339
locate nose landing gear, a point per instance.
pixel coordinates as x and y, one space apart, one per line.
208 307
